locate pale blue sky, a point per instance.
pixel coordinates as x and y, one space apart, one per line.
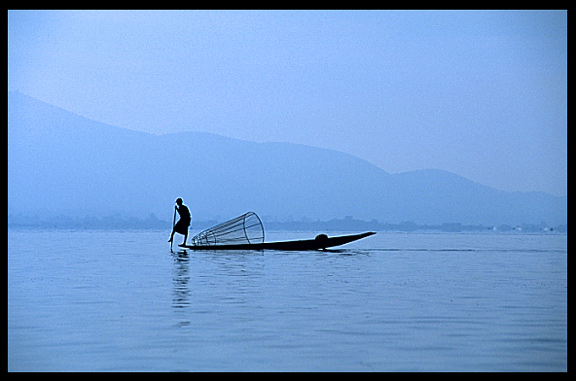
481 94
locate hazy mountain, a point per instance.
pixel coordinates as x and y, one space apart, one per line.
61 163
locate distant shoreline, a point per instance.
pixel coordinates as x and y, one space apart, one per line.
118 222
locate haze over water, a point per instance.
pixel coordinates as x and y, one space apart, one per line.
434 118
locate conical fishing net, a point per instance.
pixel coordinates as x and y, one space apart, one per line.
244 229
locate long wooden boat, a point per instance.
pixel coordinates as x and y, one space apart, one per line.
321 241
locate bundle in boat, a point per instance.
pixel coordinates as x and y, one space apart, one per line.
245 229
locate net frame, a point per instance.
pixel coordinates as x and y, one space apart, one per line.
244 229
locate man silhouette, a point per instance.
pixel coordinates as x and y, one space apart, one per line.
183 223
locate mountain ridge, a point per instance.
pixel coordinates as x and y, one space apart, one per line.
60 162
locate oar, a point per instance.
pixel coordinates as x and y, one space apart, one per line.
173 224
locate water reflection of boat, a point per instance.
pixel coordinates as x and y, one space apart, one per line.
246 232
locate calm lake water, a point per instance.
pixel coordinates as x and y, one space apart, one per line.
121 301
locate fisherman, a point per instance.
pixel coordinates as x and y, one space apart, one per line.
183 223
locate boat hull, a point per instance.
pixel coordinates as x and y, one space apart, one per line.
318 243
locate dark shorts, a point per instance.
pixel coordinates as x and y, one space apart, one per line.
181 226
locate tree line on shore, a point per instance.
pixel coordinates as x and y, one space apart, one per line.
348 223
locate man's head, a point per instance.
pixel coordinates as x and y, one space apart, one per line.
179 201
